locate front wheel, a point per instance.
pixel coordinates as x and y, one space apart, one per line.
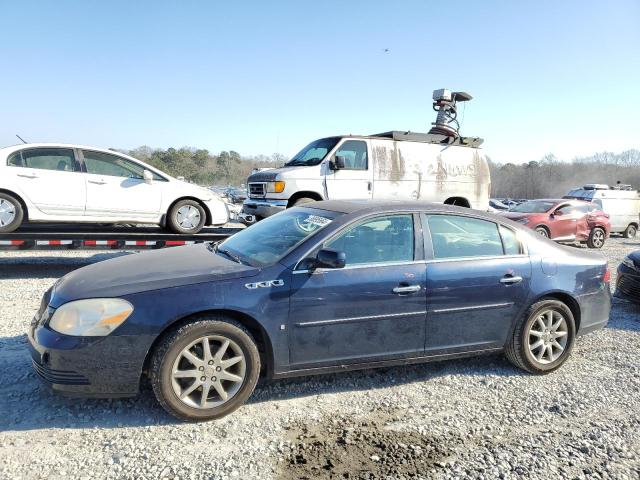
11 213
205 370
542 231
186 216
596 238
542 340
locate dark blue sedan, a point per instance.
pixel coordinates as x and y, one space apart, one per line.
325 287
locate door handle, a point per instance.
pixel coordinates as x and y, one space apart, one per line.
510 280
407 289
97 182
27 175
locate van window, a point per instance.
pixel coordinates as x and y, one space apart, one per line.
457 237
386 239
60 159
354 153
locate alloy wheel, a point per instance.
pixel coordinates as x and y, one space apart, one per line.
7 212
598 238
208 372
548 336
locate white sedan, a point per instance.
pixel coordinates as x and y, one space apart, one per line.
69 183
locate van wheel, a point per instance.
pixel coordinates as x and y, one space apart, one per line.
186 216
542 340
11 213
630 232
206 369
302 200
596 238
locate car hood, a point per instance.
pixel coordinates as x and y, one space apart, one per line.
515 216
129 274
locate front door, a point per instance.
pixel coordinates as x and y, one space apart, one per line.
563 223
374 308
51 179
476 284
116 188
355 179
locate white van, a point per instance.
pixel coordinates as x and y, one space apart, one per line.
392 165
621 203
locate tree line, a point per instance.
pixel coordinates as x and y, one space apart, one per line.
547 177
552 178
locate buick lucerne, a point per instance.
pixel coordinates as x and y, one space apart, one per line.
330 286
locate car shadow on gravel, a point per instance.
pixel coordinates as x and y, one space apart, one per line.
48 267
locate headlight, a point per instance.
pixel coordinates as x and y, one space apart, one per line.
95 317
523 221
627 262
275 187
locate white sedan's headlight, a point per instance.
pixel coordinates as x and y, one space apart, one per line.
627 262
94 317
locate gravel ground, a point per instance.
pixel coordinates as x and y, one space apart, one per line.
471 418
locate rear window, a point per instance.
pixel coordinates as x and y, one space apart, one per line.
14 160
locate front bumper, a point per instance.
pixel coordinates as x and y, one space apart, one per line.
628 284
263 207
108 366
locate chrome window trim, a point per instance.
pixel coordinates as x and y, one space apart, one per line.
360 265
317 323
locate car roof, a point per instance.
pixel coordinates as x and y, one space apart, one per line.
22 146
374 206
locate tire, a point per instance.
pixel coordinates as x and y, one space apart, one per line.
542 231
169 357
186 216
596 238
11 213
630 232
302 201
539 360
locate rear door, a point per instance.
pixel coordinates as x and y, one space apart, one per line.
51 179
372 309
477 280
116 188
355 180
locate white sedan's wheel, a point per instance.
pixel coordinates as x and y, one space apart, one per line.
186 216
11 213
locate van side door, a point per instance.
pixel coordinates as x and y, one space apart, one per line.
349 171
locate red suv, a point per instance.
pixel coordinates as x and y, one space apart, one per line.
564 220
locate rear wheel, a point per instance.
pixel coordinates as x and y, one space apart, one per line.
206 369
631 231
596 238
542 340
186 216
542 231
11 213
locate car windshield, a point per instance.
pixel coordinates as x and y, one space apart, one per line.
271 239
313 153
535 206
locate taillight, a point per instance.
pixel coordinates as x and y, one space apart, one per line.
607 275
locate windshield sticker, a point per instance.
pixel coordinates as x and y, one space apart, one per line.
319 221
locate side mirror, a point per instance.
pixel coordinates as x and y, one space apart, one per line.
328 258
147 176
557 213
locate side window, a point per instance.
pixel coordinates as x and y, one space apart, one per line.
379 240
566 210
456 237
14 160
60 159
105 164
354 153
510 241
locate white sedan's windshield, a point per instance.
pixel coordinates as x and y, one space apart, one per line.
269 240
